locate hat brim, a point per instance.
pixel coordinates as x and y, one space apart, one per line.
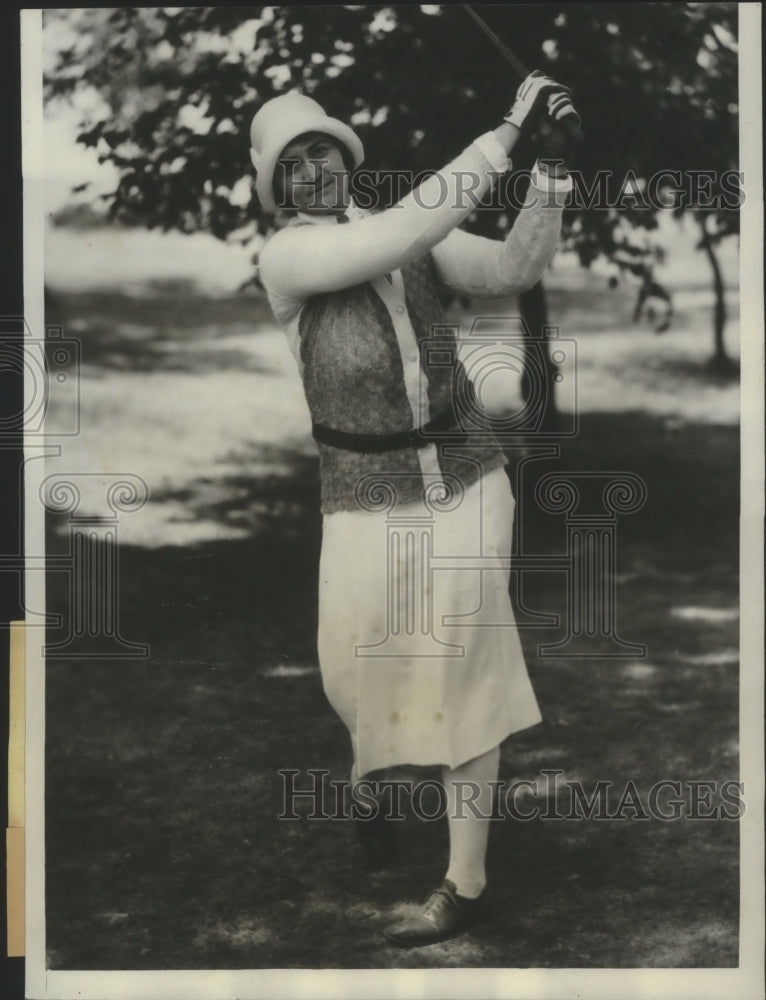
290 130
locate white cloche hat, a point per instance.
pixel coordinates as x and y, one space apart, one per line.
277 123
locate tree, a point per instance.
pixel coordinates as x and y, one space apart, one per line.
656 84
659 85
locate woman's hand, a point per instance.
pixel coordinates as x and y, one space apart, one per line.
555 146
535 98
543 109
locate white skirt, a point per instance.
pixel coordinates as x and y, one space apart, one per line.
418 647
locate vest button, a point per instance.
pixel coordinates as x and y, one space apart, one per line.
400 310
413 356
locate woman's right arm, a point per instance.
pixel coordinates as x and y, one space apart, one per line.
305 260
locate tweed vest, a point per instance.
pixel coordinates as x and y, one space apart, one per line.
353 379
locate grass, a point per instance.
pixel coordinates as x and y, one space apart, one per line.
163 845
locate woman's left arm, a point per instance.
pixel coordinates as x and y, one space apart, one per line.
480 267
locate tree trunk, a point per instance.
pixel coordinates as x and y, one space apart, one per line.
534 312
720 361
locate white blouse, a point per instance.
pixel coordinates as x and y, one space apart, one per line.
314 254
299 261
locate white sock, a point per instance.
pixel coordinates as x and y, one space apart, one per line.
468 832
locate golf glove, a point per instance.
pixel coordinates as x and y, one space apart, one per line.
540 95
559 109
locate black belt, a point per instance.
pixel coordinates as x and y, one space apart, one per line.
416 437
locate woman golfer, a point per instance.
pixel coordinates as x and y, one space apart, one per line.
418 649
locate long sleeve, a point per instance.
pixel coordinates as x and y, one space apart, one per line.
301 261
477 266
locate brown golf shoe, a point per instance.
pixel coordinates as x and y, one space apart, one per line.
443 915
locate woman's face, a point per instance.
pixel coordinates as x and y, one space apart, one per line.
311 175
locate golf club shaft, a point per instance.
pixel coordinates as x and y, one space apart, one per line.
510 57
571 122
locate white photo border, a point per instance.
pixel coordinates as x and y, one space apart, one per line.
744 982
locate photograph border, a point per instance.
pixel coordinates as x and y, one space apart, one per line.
745 982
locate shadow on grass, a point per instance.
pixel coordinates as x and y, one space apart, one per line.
167 333
279 504
164 847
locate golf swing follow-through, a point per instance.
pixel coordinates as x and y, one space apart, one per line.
358 303
560 109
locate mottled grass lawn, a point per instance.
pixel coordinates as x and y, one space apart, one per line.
163 845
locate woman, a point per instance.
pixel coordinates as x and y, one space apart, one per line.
418 651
